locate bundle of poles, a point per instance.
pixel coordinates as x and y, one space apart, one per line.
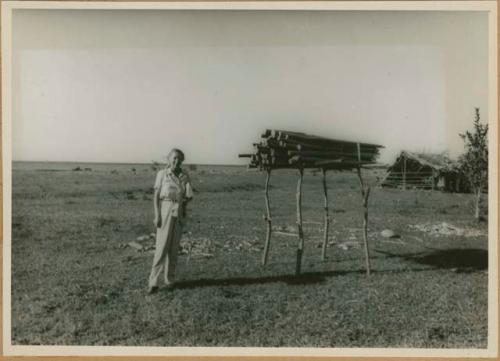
281 149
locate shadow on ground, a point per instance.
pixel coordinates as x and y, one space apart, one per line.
462 260
303 279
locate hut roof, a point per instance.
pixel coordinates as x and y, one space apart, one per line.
433 160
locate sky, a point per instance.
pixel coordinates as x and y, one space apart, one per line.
128 85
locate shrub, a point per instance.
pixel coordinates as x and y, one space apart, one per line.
474 162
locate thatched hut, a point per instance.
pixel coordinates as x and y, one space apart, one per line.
424 171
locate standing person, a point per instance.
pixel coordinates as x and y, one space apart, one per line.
172 192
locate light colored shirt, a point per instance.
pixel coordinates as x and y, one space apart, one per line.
173 188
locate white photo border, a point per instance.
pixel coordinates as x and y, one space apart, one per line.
7 8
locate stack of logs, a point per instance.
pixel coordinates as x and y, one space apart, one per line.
281 149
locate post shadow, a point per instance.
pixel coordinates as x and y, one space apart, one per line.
461 259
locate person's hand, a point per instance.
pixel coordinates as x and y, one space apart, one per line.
157 222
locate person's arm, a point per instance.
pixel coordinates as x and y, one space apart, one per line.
156 204
156 200
188 196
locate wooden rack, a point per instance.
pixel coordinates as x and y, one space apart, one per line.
281 149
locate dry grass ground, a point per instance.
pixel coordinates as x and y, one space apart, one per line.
74 284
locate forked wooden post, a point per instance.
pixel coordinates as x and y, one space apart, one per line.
267 218
327 221
300 246
365 193
404 173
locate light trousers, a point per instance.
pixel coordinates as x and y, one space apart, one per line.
168 238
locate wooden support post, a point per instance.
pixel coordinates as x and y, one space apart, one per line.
300 246
404 173
267 218
365 193
327 221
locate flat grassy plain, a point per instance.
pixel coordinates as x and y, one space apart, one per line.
73 282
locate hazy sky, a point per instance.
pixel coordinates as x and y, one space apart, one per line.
127 85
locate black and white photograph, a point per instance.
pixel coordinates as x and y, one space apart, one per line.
241 178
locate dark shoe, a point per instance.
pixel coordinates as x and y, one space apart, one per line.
152 290
169 286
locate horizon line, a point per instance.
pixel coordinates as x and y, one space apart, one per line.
124 163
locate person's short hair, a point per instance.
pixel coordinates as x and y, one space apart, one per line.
178 151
